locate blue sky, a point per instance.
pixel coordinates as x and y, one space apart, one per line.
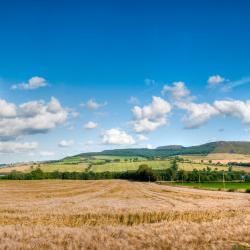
73 72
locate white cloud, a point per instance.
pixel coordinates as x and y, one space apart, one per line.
93 105
234 108
226 85
17 147
66 143
215 80
30 109
117 137
7 109
146 125
31 118
151 116
33 83
197 113
200 113
157 108
178 90
91 125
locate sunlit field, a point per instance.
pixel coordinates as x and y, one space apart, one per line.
58 214
63 167
124 166
223 158
102 163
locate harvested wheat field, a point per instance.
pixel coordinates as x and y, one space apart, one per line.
116 214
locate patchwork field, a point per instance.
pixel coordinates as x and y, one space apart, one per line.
102 163
120 215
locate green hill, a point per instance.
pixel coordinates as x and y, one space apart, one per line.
233 147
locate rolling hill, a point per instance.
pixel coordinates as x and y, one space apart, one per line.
232 147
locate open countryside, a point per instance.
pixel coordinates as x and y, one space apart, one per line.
125 125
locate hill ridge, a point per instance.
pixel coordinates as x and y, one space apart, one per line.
233 147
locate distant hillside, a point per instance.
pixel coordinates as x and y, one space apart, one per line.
233 147
171 147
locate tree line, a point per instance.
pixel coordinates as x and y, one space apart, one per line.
144 173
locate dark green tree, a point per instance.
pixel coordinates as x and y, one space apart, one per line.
145 173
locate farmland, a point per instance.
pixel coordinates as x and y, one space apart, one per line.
124 166
103 163
223 158
64 167
56 214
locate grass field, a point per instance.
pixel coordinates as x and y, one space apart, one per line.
159 164
214 185
58 214
79 164
125 166
63 167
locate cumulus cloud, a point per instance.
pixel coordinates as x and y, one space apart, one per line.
91 125
234 108
178 90
117 137
7 110
215 80
151 116
30 118
8 147
33 83
197 113
200 113
93 105
66 143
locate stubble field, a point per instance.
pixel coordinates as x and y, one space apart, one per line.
115 214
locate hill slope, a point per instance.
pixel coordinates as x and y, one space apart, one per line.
233 147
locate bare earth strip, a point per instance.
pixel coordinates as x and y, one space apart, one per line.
120 215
